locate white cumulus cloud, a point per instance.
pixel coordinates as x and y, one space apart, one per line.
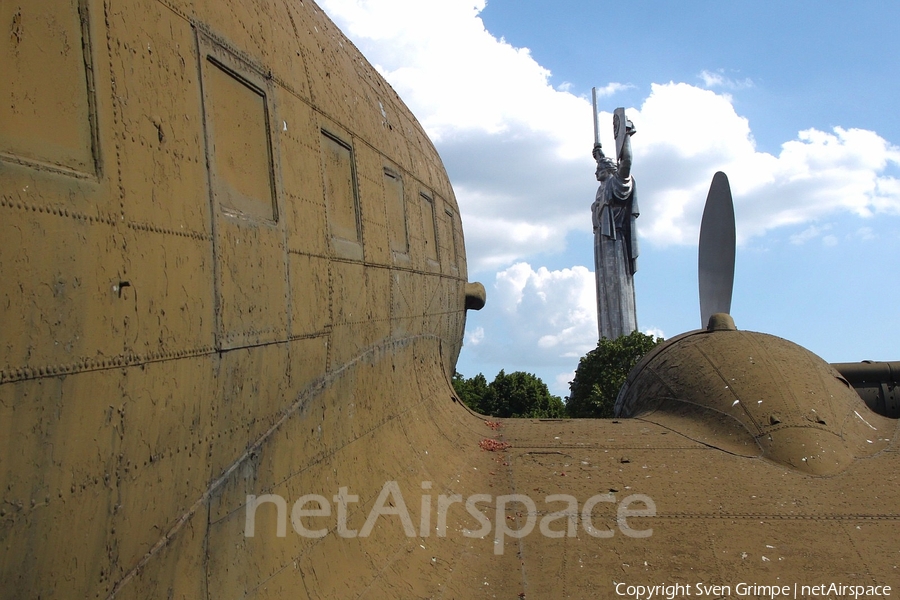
543 320
475 337
810 233
518 149
718 78
693 132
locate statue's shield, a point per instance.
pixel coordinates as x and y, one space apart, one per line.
620 127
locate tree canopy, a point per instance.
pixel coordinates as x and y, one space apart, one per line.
602 371
517 394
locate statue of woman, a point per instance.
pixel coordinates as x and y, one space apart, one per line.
615 239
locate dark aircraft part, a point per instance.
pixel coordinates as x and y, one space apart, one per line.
754 395
876 382
475 296
716 251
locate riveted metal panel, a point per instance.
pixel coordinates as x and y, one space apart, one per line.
160 141
48 49
249 246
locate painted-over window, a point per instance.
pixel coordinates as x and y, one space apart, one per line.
241 153
340 188
429 226
395 203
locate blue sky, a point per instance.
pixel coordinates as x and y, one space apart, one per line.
793 100
811 64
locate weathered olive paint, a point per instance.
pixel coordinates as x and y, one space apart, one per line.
188 314
755 395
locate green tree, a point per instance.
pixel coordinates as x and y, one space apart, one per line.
517 394
471 391
601 373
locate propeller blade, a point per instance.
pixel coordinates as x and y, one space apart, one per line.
717 241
